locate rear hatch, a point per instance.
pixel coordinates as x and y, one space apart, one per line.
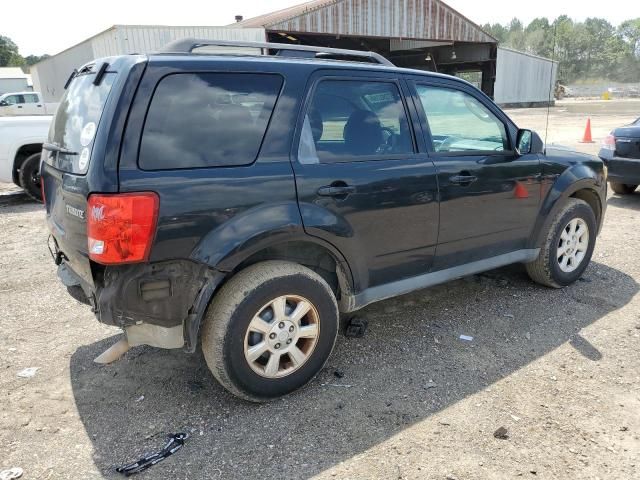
628 141
67 156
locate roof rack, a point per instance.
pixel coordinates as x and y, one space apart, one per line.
187 45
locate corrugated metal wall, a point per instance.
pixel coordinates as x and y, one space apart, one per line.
50 75
522 78
410 19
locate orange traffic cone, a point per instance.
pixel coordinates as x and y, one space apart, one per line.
586 138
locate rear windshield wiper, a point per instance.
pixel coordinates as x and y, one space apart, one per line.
52 147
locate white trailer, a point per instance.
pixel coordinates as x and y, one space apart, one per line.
523 79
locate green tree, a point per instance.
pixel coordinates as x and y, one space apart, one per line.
630 32
9 56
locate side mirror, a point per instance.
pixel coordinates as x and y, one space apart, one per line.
3 103
523 142
528 141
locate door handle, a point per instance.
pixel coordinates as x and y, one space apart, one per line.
336 190
463 179
19 106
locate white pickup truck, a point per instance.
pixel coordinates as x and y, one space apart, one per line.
25 103
21 140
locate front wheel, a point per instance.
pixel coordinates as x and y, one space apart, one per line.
29 176
568 246
622 188
270 330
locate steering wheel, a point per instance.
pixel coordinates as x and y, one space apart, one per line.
446 143
389 140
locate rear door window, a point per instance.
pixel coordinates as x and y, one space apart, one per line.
30 98
207 120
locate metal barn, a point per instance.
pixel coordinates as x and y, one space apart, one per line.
421 34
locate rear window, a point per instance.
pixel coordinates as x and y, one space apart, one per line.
76 121
207 120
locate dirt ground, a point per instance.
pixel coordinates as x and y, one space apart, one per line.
559 369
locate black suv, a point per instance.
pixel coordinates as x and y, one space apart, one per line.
245 201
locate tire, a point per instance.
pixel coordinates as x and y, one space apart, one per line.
229 330
547 269
622 188
29 177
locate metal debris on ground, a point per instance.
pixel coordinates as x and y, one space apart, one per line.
11 474
28 372
175 443
356 327
501 433
466 338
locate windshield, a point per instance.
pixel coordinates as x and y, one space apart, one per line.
74 126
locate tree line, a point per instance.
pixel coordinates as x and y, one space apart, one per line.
10 57
593 49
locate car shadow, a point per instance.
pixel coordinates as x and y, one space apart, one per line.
630 200
410 365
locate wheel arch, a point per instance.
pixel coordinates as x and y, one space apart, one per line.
576 182
20 155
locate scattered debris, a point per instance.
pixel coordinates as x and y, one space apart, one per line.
466 338
140 398
509 315
624 429
11 474
28 372
528 335
339 374
430 385
501 433
356 327
175 443
515 418
344 385
584 279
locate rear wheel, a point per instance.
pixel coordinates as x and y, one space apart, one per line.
568 246
270 330
29 177
622 188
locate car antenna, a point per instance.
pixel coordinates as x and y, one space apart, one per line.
553 57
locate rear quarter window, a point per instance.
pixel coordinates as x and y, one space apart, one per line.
207 120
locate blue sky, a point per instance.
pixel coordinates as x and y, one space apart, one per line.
49 26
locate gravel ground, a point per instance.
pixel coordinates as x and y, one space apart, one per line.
557 368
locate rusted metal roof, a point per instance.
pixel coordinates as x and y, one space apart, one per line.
407 19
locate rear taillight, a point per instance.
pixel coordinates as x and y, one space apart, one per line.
121 227
609 142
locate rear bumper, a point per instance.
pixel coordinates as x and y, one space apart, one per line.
624 170
166 294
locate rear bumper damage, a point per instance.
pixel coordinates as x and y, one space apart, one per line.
623 170
160 304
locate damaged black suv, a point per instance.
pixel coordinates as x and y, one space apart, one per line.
244 201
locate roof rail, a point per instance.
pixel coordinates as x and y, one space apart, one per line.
187 45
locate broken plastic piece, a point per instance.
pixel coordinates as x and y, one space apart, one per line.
466 337
28 372
356 327
175 443
114 352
